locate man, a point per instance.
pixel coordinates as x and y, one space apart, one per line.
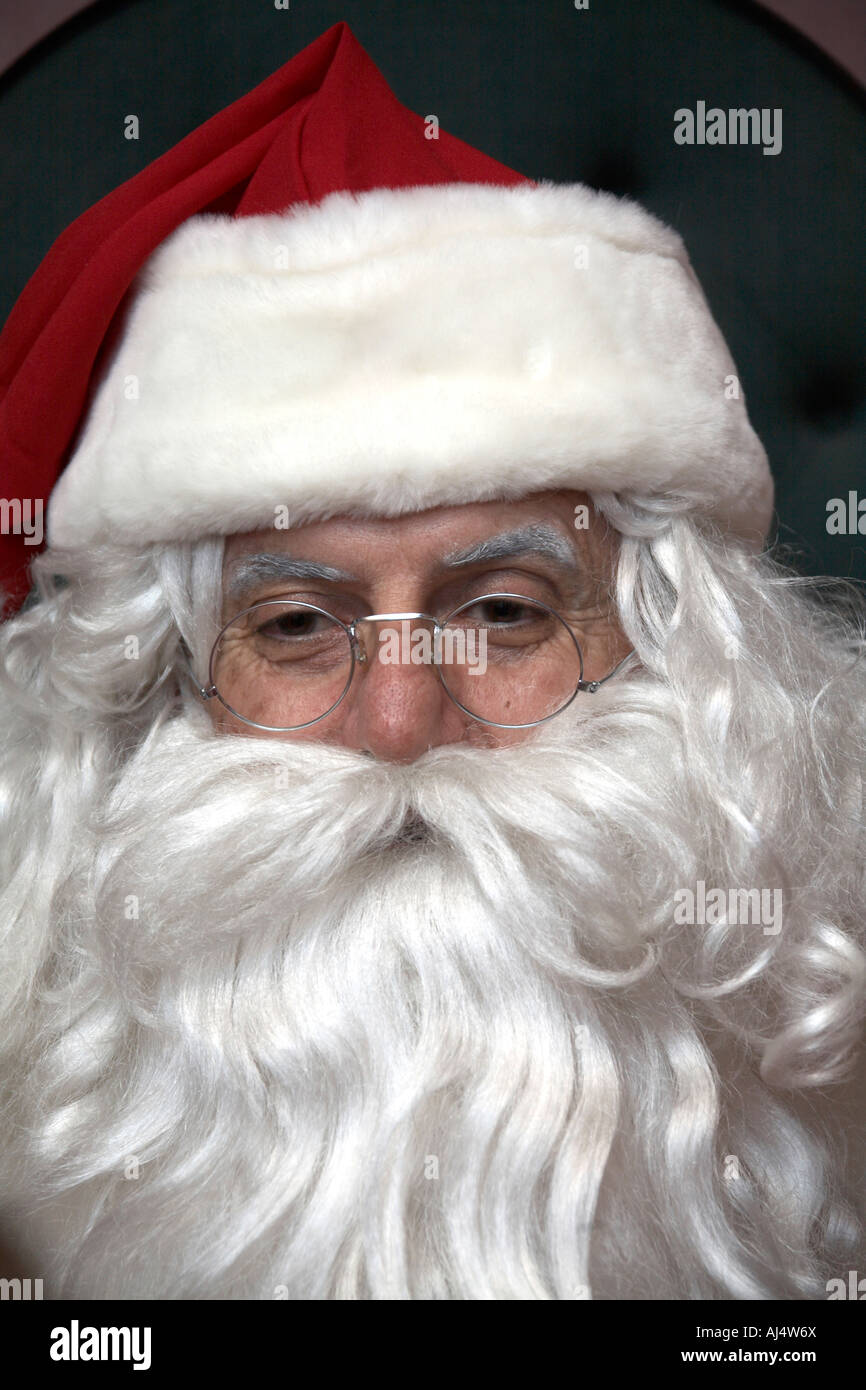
525 964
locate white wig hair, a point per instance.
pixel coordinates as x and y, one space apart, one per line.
260 1037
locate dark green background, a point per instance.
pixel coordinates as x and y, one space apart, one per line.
555 93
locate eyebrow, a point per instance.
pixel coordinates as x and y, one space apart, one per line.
537 538
252 570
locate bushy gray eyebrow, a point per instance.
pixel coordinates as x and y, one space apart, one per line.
536 538
251 570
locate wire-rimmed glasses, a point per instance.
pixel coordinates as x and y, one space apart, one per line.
284 664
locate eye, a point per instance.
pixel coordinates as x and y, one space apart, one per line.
499 612
301 623
510 622
288 633
504 610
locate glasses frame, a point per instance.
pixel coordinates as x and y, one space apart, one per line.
359 657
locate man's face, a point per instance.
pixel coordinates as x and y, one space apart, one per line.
429 562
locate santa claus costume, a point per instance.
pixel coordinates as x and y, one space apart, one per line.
256 1040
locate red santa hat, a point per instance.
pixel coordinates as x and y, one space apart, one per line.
318 301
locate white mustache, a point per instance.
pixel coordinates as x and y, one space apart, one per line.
303 821
220 785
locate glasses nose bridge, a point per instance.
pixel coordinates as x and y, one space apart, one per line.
359 642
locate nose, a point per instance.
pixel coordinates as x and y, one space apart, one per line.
399 708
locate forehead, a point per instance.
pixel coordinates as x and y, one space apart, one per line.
420 541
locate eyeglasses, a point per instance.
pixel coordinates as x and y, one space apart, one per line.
504 659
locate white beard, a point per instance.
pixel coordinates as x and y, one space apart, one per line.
317 1027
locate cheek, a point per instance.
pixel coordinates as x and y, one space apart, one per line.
224 722
602 644
484 736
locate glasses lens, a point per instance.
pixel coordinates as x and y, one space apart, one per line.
281 665
509 660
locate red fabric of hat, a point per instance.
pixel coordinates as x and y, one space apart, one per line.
325 121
